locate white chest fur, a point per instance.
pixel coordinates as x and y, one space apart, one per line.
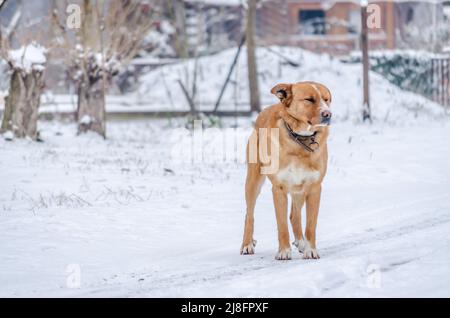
297 175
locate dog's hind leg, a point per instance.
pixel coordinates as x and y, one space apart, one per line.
298 200
253 186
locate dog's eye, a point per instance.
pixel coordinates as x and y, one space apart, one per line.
310 99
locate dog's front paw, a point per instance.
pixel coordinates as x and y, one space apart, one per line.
310 253
248 249
305 248
284 254
300 245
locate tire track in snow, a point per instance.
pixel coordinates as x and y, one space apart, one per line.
413 226
146 284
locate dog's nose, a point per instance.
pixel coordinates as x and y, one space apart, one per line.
326 114
326 117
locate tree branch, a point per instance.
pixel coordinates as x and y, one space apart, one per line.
2 4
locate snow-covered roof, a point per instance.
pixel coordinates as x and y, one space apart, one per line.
217 2
447 10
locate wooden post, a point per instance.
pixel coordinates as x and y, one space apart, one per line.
251 57
365 62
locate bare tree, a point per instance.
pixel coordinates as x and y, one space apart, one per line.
27 82
27 65
108 38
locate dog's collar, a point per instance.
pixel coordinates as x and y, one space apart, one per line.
305 141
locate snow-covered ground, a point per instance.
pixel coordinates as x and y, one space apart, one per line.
132 219
139 215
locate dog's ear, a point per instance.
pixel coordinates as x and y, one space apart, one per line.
283 92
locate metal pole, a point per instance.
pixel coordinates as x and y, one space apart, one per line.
227 80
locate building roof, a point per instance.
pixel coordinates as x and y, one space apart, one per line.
230 3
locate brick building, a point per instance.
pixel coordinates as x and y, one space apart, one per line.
323 26
331 26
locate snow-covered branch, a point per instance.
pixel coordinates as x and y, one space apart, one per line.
110 36
109 39
28 58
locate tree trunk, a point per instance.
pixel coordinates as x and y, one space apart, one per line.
179 16
91 107
22 104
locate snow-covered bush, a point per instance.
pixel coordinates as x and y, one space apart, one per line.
159 41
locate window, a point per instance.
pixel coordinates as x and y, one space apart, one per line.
312 22
410 16
354 21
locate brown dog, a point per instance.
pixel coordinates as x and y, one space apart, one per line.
300 122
